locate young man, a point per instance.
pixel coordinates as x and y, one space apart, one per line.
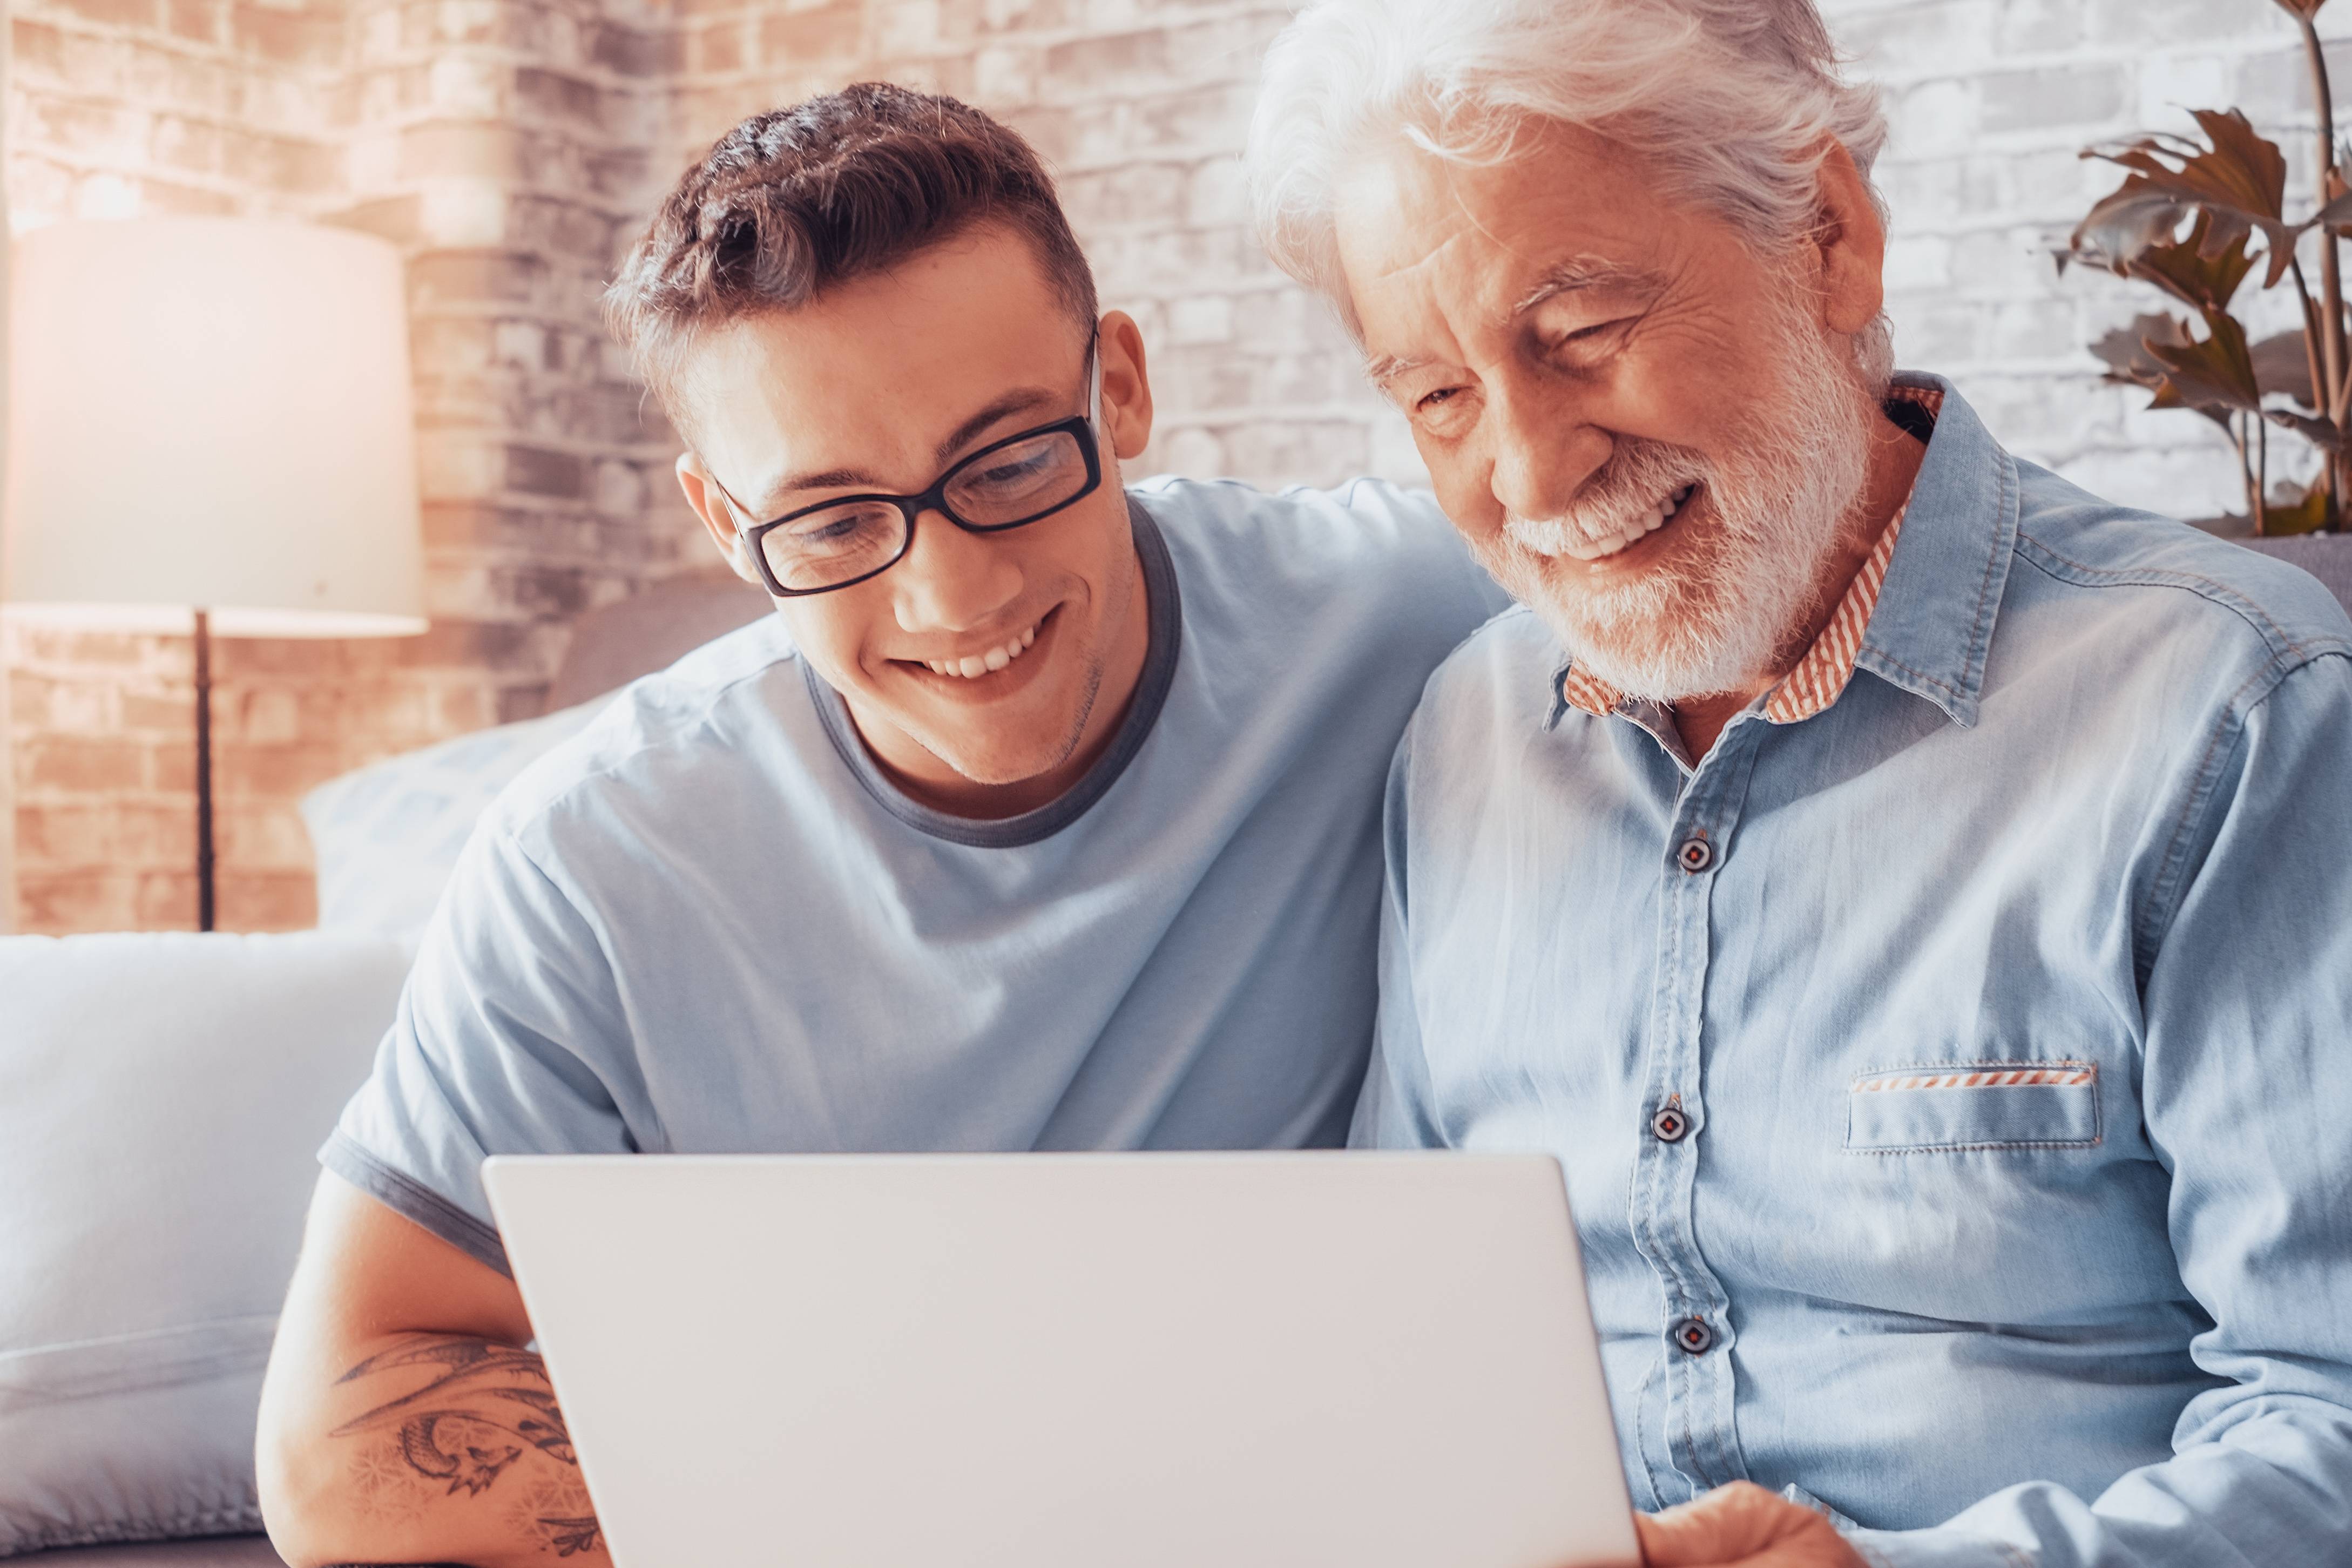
1044 815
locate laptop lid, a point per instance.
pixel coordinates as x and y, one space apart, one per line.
1073 1361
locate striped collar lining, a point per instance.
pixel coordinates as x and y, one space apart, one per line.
1822 675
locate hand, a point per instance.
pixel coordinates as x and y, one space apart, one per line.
1742 1526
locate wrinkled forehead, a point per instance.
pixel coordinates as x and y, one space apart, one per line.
1426 242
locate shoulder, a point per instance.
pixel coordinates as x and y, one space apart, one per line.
1367 528
1496 687
702 705
2136 580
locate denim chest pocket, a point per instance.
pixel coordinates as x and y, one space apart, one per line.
1973 1105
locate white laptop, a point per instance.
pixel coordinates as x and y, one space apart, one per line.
1073 1361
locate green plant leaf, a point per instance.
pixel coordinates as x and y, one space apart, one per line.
2216 373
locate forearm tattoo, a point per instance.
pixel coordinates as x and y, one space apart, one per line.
485 1407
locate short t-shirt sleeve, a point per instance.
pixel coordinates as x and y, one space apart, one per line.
509 1038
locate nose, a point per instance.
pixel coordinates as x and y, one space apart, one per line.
952 580
1542 451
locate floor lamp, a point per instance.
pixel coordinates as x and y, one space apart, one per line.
210 429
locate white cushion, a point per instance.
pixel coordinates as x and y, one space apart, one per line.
387 835
161 1098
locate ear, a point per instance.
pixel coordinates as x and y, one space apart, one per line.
1126 390
702 495
1851 243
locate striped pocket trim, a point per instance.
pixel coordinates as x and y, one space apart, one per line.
2003 1077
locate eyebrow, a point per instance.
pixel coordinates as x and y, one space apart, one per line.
1577 273
1021 400
1582 272
1386 368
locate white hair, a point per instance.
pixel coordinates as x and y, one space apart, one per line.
1731 102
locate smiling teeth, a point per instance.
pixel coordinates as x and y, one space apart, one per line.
973 666
1643 525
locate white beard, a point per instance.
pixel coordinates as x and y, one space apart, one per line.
1765 522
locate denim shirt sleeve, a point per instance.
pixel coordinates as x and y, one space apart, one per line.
2247 1090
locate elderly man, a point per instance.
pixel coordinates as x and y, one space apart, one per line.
1912 897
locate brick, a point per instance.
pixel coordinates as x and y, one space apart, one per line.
633 51
555 95
91 130
166 901
472 149
35 48
786 38
46 703
125 13
2276 84
266 902
276 771
261 837
2037 25
160 712
2054 96
290 37
719 47
193 145
395 219
59 836
83 764
2140 24
199 21
62 903
474 277
1919 38
164 198
272 162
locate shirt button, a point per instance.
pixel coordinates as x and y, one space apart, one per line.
1695 854
1694 1337
1669 1125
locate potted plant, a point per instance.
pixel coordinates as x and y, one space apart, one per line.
2194 216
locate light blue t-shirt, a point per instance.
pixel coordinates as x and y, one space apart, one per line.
711 924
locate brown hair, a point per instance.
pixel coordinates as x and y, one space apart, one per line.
793 201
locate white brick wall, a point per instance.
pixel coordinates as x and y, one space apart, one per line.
512 146
1990 101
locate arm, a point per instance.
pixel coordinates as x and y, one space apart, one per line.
2246 1084
402 1419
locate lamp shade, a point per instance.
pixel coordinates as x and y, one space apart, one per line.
210 414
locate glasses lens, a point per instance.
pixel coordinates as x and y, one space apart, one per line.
828 548
1016 483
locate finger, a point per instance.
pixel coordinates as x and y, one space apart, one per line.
1692 1535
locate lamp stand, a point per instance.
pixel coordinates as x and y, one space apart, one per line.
204 771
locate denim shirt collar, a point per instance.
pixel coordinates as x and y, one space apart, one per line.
1932 628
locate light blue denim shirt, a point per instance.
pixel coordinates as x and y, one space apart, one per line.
2006 1019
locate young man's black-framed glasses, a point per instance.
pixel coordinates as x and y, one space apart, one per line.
1006 484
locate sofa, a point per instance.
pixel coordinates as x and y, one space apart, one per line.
163 1096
